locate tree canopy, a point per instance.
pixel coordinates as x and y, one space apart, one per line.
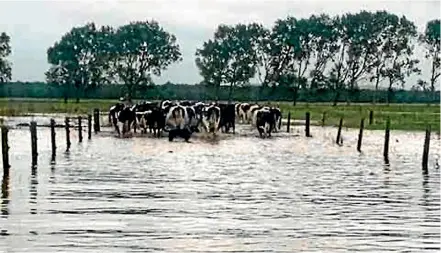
5 51
88 56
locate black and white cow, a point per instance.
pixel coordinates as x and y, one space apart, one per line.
250 113
176 123
114 110
228 117
211 116
264 122
142 110
277 114
242 112
124 120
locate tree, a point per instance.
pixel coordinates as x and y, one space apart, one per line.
139 50
394 58
229 58
431 40
292 41
81 53
5 51
324 46
58 75
210 60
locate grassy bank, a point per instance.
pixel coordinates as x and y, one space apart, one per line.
403 116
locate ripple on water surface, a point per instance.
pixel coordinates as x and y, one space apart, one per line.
240 194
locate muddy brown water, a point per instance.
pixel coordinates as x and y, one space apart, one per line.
229 194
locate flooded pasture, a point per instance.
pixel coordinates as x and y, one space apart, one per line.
234 194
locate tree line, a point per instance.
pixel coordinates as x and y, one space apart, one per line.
201 92
312 55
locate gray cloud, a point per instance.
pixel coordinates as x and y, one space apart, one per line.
36 25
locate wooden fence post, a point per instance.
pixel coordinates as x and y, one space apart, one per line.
80 129
307 123
5 150
96 120
386 142
34 150
89 126
339 132
323 119
426 150
53 145
288 124
66 122
371 117
360 135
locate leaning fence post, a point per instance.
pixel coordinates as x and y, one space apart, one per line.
307 123
53 145
80 130
96 120
5 150
360 135
89 126
288 124
33 128
339 132
426 149
66 122
386 142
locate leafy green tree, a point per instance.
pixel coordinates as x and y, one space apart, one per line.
431 40
292 41
79 52
394 58
57 75
5 65
140 49
324 46
230 57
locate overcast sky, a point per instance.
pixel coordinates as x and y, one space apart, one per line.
36 25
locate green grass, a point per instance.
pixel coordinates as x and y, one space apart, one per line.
411 117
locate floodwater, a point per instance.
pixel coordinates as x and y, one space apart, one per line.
236 194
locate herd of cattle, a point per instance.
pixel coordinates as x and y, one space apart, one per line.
185 117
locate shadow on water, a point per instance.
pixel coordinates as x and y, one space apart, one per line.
5 202
33 191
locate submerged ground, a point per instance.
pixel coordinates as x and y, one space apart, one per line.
235 193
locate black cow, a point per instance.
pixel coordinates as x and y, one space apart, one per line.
156 121
228 117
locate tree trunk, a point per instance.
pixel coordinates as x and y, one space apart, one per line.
377 82
294 99
336 97
230 92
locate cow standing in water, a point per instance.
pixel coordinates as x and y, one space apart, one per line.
211 116
124 120
277 114
264 122
176 123
228 117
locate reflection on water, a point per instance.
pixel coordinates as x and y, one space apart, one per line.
285 194
33 191
4 202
